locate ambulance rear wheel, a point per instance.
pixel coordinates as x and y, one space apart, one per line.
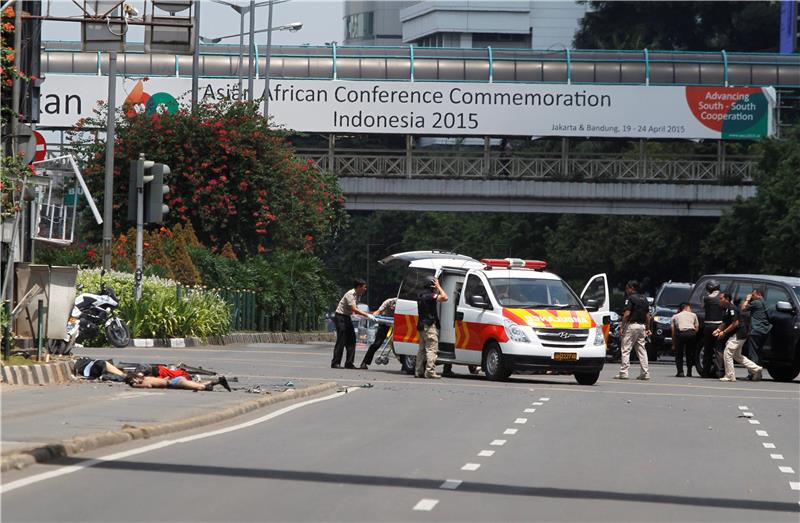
408 363
587 378
494 364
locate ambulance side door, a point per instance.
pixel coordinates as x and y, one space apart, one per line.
473 306
597 300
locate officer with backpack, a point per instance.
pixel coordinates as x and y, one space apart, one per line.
634 328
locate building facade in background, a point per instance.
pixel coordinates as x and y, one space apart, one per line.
525 24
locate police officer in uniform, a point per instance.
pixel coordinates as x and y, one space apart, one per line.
714 311
634 328
428 327
345 332
386 309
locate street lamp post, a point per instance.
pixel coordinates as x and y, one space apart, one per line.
250 48
268 64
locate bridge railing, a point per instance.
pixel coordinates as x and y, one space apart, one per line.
596 167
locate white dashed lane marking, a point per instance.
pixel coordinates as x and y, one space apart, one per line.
537 403
486 453
769 445
743 407
451 484
762 433
471 466
754 422
498 442
510 431
426 504
747 414
530 411
776 456
786 470
544 399
521 421
794 485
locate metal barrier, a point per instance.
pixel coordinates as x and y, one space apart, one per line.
248 315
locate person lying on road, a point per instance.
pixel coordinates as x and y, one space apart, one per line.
140 381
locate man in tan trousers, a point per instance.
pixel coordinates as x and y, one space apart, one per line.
428 327
733 333
635 327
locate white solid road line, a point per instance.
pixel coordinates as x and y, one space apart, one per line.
786 470
776 456
510 431
762 433
521 421
450 484
498 442
426 504
769 445
529 411
8 487
471 466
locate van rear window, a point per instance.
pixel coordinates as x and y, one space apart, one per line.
414 283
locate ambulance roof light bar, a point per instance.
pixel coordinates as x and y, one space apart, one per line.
513 263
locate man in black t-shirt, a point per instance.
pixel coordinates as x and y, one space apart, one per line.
732 332
634 328
428 327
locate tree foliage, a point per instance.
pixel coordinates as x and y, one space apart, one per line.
233 178
762 234
693 26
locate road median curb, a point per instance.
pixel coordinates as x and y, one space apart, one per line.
21 459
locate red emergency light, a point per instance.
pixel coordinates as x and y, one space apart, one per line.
513 263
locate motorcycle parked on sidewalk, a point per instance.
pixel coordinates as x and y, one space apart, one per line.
90 312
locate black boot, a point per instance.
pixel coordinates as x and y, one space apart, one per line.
222 380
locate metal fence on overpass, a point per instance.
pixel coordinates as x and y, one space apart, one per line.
605 167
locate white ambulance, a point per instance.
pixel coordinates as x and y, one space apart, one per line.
506 315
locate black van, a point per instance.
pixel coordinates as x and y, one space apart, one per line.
781 353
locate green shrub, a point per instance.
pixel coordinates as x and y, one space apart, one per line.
160 313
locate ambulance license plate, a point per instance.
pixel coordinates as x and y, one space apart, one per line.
565 356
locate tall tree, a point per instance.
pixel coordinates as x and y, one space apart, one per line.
693 26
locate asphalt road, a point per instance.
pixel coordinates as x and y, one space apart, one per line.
462 449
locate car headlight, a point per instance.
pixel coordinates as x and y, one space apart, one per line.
515 332
662 319
598 337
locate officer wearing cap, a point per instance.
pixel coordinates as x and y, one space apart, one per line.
428 327
712 353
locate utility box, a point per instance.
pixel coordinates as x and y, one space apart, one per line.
55 286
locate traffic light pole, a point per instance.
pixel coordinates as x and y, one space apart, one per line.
108 195
137 276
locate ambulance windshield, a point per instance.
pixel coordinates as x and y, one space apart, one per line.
529 293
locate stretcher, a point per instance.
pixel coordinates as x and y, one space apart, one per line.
387 347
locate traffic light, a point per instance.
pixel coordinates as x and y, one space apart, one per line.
148 176
154 191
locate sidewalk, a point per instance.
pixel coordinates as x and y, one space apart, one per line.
43 423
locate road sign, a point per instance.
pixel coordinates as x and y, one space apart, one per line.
41 147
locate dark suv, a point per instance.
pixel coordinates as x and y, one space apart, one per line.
781 352
669 296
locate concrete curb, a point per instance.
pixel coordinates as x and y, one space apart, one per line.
237 337
20 459
39 374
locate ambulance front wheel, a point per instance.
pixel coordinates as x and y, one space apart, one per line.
408 363
494 365
587 378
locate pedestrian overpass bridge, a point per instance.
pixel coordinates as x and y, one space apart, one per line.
487 180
